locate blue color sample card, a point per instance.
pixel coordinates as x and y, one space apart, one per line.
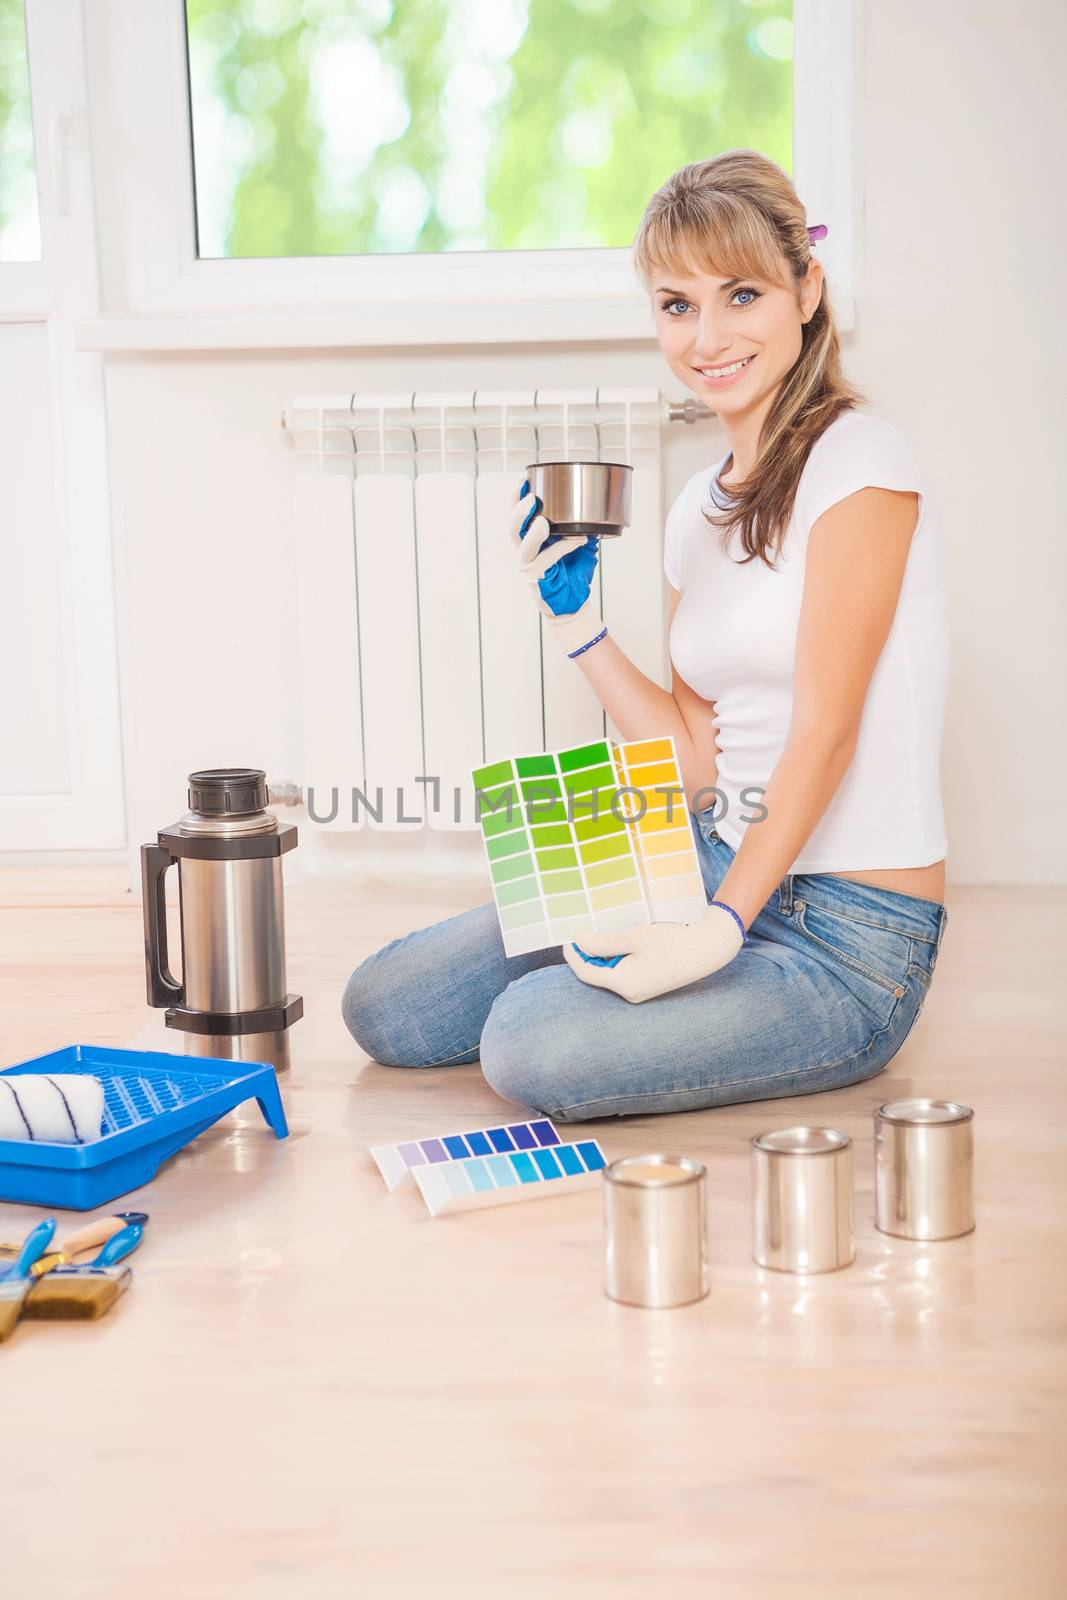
396 1162
535 1174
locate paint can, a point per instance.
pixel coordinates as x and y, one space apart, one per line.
923 1169
802 1199
655 1231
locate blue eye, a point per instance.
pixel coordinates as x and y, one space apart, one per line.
744 289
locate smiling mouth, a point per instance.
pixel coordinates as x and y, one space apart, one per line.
727 371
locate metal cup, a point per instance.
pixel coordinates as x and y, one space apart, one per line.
655 1226
583 496
802 1199
923 1167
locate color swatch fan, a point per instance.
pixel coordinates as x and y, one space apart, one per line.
598 836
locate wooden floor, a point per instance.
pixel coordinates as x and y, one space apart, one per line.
313 1390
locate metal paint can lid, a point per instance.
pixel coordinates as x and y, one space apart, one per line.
653 1172
924 1113
801 1141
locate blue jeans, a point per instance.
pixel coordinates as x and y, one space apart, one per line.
823 993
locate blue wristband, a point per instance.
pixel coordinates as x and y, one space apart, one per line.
724 907
582 648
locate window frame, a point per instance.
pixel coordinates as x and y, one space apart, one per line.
157 294
56 292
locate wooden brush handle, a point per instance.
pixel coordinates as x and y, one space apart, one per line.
90 1237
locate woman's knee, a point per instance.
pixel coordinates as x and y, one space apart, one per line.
374 1013
528 1053
420 1000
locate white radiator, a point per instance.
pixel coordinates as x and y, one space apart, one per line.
420 650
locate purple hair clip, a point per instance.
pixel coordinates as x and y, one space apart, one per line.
819 231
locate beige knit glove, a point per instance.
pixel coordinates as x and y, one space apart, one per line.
660 956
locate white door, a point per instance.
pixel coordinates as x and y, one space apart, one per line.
60 745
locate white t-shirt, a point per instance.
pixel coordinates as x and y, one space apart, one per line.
733 640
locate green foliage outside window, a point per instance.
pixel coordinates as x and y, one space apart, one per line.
349 127
20 230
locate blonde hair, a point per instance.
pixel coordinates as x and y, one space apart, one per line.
737 215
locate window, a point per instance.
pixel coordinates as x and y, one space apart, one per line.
20 225
321 218
325 127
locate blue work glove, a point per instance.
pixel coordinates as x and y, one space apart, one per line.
567 581
562 567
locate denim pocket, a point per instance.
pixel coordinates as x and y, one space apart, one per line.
876 954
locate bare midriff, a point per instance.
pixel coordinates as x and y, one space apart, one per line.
926 882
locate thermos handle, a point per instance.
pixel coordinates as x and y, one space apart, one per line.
162 988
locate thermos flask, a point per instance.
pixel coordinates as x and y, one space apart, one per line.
232 1000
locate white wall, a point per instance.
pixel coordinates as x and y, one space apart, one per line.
961 340
958 340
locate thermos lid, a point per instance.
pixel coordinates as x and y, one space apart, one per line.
227 791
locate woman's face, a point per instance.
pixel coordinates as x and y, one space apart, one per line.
732 341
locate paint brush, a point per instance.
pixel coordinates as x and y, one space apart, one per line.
81 1294
90 1237
16 1286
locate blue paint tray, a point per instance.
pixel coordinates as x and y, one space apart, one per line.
153 1105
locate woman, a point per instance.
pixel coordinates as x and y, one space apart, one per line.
808 644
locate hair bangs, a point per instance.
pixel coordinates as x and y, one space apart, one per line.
712 234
